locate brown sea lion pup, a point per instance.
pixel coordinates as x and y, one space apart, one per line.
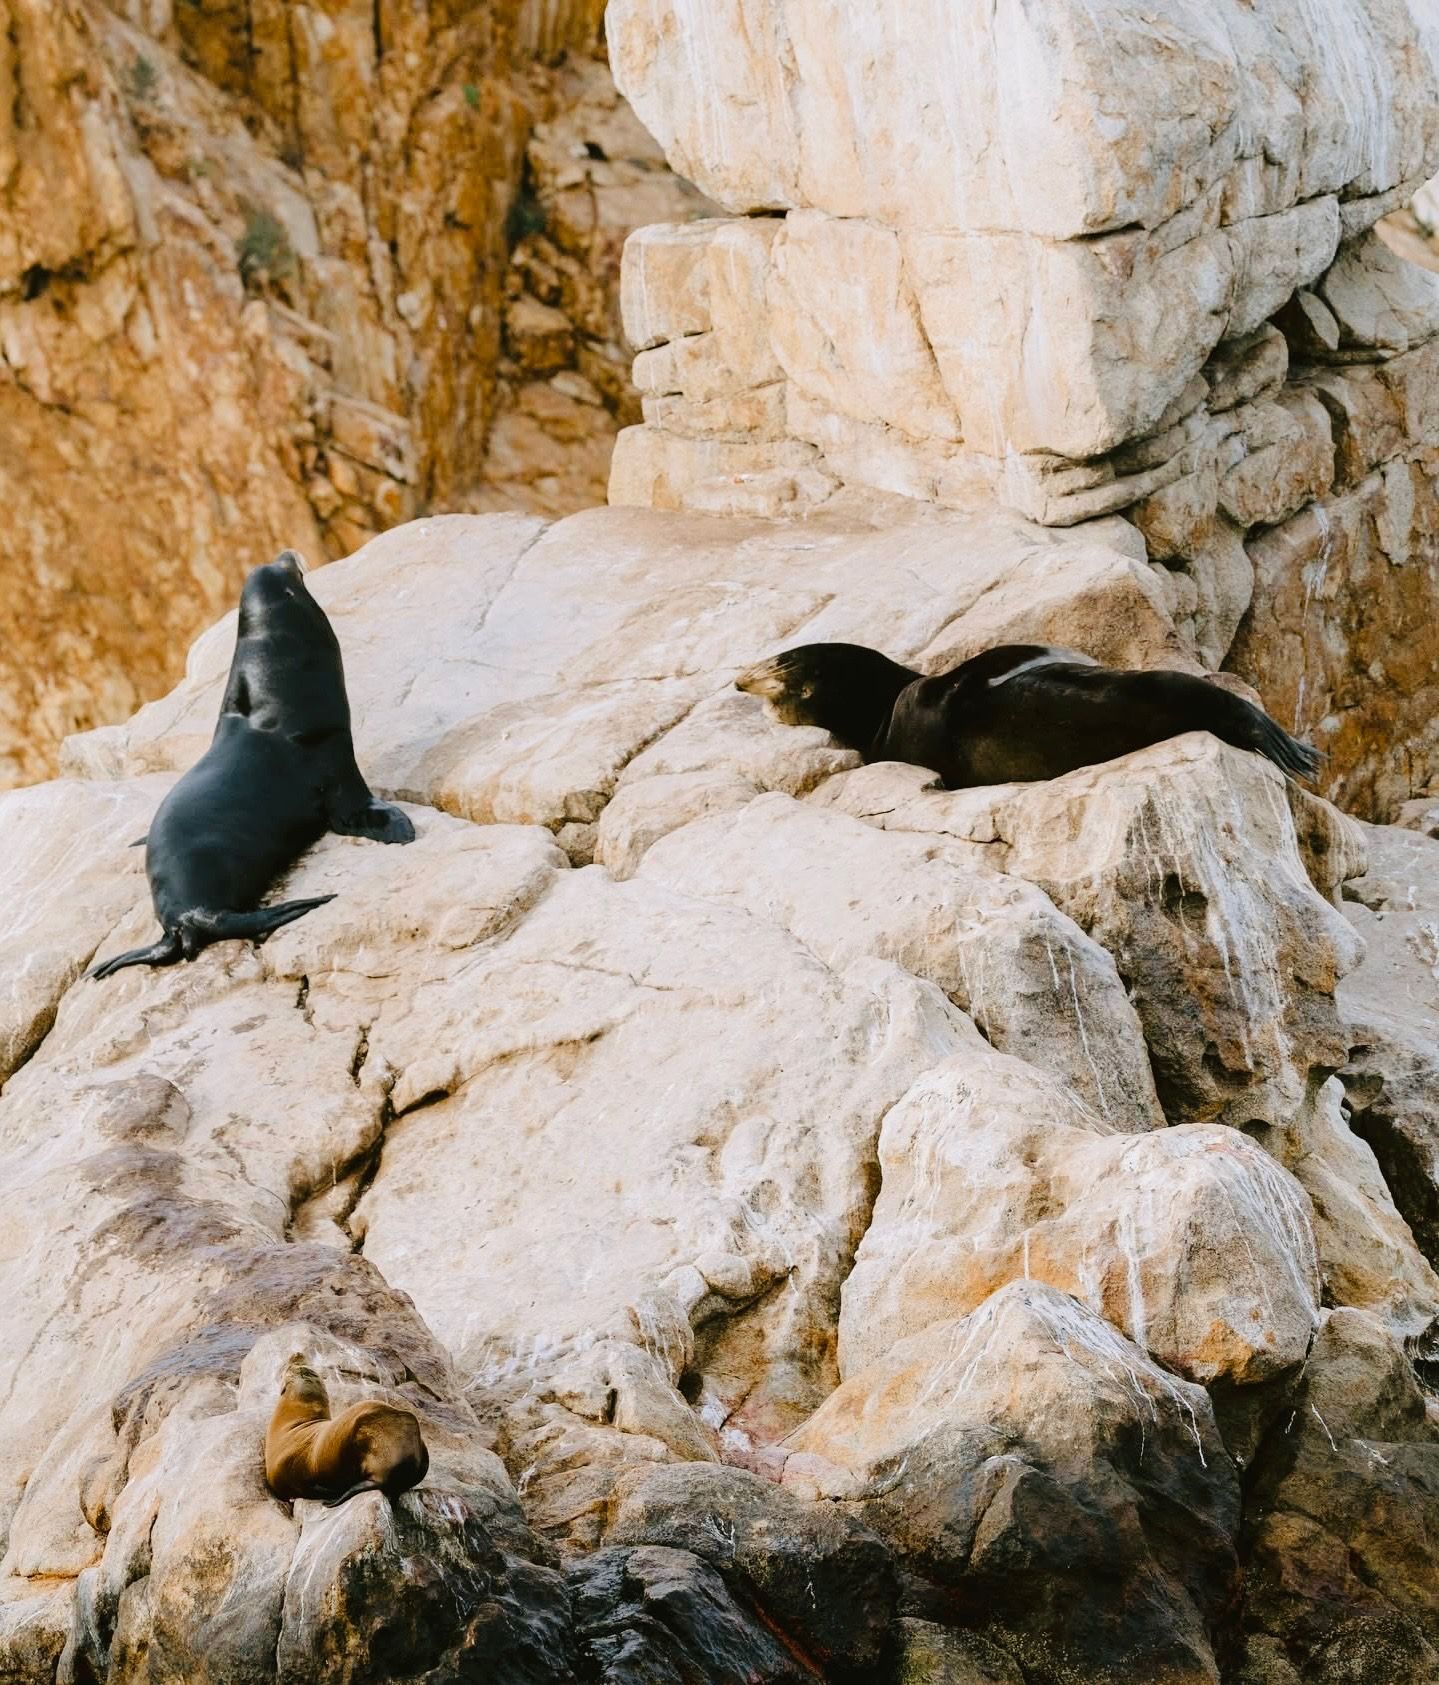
371 1447
1011 715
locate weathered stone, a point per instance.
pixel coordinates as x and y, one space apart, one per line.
1247 368
1288 460
1001 1456
937 1655
908 141
1331 586
1339 1538
822 1577
992 1173
69 844
1391 1008
657 1614
1367 1253
1183 862
1380 300
1035 985
539 338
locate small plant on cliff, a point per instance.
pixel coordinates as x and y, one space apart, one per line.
264 251
142 78
472 96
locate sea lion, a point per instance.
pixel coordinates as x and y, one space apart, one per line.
370 1447
280 772
1011 715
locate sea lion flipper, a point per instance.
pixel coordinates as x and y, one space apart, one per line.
353 1492
252 927
167 951
378 820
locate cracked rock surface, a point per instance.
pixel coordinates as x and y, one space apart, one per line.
828 1228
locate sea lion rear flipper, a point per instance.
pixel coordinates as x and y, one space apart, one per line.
139 842
256 926
354 1491
379 820
167 951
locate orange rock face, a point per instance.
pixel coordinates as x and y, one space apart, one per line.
254 263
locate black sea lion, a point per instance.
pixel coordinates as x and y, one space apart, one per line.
279 773
1015 714
370 1447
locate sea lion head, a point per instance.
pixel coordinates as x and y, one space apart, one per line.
273 593
300 1384
846 689
287 674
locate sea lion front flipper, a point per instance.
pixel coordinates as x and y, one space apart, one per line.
167 951
139 842
251 927
378 820
354 1491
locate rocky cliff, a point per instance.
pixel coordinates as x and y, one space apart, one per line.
828 1228
1080 259
276 274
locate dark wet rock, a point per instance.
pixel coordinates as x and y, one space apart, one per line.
1341 1536
821 1576
655 1616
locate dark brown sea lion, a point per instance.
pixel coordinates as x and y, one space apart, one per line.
370 1447
1014 714
279 773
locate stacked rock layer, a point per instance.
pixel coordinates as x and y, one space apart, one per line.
1078 259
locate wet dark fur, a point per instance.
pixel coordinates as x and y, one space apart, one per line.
975 725
279 773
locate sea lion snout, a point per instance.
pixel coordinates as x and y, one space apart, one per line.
765 678
292 562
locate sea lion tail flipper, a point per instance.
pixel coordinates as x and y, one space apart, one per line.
167 951
1271 740
353 1492
255 926
379 820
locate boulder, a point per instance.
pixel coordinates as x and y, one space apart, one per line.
1183 861
1047 1483
1189 1240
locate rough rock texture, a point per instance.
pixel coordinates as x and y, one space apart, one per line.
1157 293
254 261
1390 1006
829 1229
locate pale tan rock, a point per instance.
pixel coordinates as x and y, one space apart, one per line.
1035 985
605 1011
1366 1249
579 1168
1390 1004
749 100
837 288
1381 300
1288 461
1183 861
964 1447
992 1173
68 845
1241 369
